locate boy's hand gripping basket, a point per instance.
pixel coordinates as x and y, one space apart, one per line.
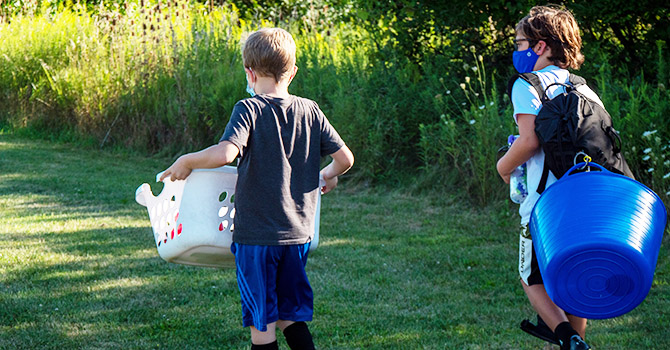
192 219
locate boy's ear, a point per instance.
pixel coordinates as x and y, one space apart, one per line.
295 71
541 47
251 76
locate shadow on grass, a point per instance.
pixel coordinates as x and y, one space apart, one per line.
393 271
103 289
73 177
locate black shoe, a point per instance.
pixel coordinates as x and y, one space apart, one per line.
541 331
576 343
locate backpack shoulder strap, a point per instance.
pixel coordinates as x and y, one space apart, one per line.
510 84
576 80
542 185
530 78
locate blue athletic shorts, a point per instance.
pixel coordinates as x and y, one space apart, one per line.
273 284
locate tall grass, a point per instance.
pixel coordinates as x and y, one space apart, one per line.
162 77
461 142
152 77
460 150
639 109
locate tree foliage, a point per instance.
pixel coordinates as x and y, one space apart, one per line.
415 29
624 30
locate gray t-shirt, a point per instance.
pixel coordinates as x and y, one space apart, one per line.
281 142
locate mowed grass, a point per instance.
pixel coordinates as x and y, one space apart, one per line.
394 270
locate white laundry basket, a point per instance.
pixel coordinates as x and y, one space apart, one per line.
192 219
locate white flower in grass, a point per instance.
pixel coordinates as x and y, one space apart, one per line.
472 121
666 176
462 86
474 69
645 158
648 133
650 170
646 150
482 106
447 92
467 80
491 103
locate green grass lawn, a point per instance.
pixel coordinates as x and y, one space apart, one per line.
394 270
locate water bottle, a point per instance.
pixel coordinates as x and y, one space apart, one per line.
518 186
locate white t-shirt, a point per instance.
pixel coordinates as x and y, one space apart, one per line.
526 101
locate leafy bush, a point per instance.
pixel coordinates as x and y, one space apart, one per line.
163 78
151 78
638 108
461 148
621 29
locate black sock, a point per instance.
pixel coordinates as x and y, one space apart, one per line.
564 332
298 336
271 346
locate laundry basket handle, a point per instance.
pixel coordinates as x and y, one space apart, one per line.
144 191
140 194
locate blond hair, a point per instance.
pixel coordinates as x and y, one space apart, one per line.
558 28
269 52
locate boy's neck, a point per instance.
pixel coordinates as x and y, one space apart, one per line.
542 65
543 61
269 86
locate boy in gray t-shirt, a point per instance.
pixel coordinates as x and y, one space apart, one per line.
280 139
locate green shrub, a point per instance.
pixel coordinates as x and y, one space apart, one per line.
639 109
460 149
150 78
163 78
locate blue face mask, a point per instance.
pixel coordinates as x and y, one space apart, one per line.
524 61
250 90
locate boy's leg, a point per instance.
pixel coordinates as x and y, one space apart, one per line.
295 298
541 330
579 324
282 324
271 346
531 280
264 338
532 283
545 307
256 279
297 335
554 316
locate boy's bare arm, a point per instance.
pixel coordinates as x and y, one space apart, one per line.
522 149
343 160
212 157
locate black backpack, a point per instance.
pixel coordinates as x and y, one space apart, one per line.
571 126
